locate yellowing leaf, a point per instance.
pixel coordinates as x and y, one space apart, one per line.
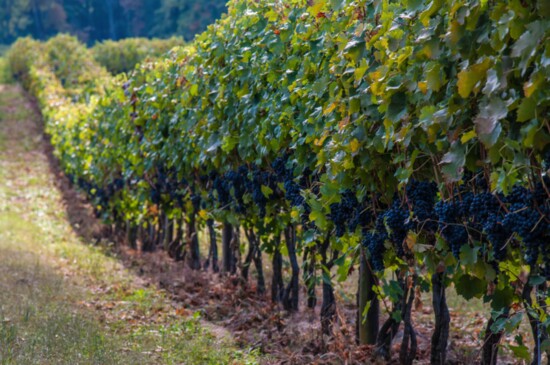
319 141
467 79
423 86
361 70
354 145
194 90
532 85
410 241
467 136
316 8
426 14
343 123
455 32
203 214
330 108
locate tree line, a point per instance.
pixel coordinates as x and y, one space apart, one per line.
96 20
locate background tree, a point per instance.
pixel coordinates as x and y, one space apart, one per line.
97 20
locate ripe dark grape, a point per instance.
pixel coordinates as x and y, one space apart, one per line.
221 186
450 225
338 218
481 182
519 195
257 195
421 196
237 182
374 242
361 218
525 221
280 170
482 206
398 223
292 192
343 212
155 196
498 235
118 184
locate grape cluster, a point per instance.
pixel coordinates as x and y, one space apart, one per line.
374 242
361 218
223 190
398 223
237 182
292 192
451 226
280 170
421 196
256 190
481 207
525 222
498 235
518 195
343 212
480 182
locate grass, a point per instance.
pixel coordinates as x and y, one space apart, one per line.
5 74
64 301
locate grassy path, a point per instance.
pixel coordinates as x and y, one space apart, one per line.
62 300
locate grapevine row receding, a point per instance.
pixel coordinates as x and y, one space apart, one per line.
408 138
124 55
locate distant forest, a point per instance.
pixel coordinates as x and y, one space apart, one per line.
96 20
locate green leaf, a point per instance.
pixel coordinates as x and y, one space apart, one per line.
354 105
397 108
365 311
529 132
266 190
536 280
354 48
425 16
487 123
361 70
470 287
434 77
502 298
526 110
319 218
468 255
493 82
453 162
229 142
521 352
